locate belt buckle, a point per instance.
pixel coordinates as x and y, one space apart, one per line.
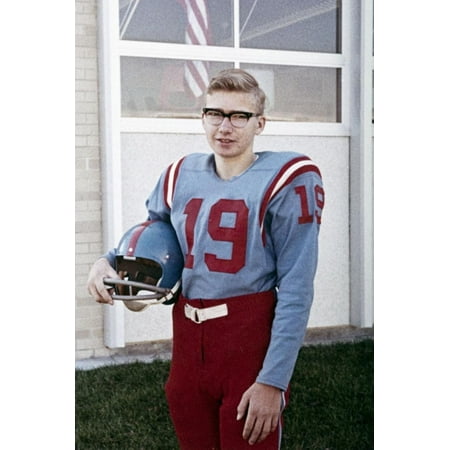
192 313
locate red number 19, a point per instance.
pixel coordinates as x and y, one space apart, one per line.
319 199
236 235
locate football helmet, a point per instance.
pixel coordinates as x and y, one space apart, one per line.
149 262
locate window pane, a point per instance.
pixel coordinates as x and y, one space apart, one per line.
302 25
303 94
163 87
168 21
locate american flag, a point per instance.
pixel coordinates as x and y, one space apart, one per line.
197 32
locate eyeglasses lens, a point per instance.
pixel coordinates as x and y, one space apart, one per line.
216 118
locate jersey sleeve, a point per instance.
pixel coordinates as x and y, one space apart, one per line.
292 229
157 208
159 203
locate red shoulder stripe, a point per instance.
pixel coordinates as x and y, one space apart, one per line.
287 173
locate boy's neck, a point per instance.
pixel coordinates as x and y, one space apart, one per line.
227 168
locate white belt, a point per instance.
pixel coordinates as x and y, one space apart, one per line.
199 315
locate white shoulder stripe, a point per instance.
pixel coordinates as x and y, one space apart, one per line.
284 176
171 181
280 183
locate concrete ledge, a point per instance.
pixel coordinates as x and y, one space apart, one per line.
332 335
141 352
162 350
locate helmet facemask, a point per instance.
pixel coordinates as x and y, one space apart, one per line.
149 263
137 270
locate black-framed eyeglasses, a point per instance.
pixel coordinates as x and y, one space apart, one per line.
238 119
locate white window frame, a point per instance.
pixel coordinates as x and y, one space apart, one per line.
356 114
118 48
361 169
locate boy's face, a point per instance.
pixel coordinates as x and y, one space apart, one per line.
224 139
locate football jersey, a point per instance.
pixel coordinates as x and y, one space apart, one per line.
254 232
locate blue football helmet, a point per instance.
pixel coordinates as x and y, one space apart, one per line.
149 262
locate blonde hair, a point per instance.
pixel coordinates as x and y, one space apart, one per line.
238 80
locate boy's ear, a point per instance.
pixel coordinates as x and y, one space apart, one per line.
261 124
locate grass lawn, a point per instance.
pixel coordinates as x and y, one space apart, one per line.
331 405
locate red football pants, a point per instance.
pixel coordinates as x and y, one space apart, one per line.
213 364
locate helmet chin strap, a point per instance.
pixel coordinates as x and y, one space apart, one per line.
172 292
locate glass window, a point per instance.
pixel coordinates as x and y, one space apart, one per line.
159 87
303 25
301 94
168 21
153 87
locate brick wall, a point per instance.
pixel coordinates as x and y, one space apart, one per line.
88 226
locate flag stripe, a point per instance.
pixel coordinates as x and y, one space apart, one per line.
195 75
197 33
197 19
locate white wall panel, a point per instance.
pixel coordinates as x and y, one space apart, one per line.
145 156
